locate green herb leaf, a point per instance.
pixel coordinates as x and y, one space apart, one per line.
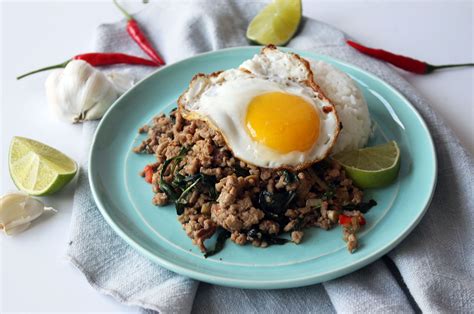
299 224
290 177
321 167
276 202
165 186
221 238
210 183
240 172
274 240
179 181
331 192
179 202
168 190
363 207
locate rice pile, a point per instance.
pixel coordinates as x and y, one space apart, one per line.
350 106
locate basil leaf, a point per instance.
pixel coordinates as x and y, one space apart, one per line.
290 177
221 238
241 172
363 207
277 202
165 186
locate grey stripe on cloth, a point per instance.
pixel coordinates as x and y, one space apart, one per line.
436 261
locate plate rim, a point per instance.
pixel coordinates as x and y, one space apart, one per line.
260 284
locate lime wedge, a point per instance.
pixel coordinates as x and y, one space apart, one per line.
372 167
38 169
276 23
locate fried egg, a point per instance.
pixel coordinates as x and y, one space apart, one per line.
269 110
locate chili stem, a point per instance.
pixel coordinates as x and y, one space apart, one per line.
127 15
56 66
436 67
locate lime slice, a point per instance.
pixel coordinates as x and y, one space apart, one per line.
276 23
372 167
38 169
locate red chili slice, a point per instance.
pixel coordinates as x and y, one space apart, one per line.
347 220
148 173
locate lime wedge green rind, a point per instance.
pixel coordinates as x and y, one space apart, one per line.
38 169
372 167
276 24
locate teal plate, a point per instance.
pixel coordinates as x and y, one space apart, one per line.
124 198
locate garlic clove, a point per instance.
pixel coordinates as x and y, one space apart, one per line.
101 94
55 96
18 210
122 81
17 229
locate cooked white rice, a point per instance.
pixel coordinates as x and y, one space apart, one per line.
350 105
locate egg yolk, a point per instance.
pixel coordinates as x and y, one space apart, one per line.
283 122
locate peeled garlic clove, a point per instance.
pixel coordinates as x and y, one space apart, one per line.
18 229
17 210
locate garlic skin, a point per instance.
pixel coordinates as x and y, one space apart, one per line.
18 210
81 92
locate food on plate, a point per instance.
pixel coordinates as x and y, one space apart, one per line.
276 24
246 154
372 167
38 169
81 92
269 111
18 210
350 106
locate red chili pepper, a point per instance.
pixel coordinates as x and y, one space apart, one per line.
405 63
347 220
98 59
139 37
148 173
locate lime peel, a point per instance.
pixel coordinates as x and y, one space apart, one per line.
372 167
39 169
276 24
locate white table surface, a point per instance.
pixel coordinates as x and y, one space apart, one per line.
34 275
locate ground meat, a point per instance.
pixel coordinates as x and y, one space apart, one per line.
193 166
229 187
143 129
160 199
224 192
269 226
352 242
297 236
240 215
290 225
239 238
260 243
197 227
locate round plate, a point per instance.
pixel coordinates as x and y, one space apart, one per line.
124 198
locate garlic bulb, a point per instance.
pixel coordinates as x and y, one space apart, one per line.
18 210
81 92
